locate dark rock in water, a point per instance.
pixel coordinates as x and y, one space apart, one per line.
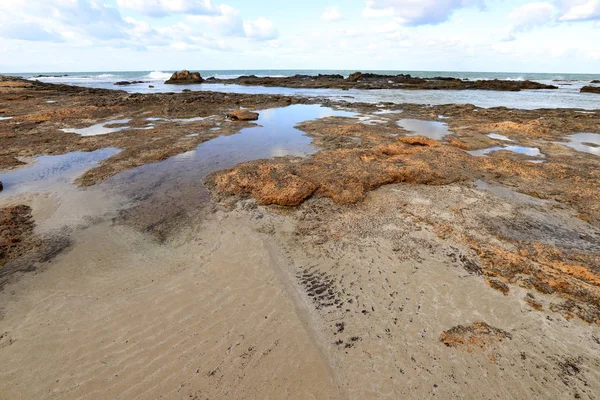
596 81
125 83
1 187
151 86
185 77
445 78
51 76
590 89
354 77
330 76
186 90
242 115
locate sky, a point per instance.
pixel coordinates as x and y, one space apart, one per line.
433 35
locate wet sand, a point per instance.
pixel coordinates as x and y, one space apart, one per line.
439 274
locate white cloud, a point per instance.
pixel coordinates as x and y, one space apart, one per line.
417 12
54 20
227 23
332 14
161 8
29 31
260 29
580 10
529 16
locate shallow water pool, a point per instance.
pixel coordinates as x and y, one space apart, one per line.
528 151
99 129
585 142
47 171
431 129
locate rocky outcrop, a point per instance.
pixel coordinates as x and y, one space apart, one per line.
185 77
354 77
590 89
366 81
1 186
242 115
596 81
8 162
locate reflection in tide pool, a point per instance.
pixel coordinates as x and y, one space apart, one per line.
528 151
48 171
183 175
99 129
585 142
274 136
499 137
431 129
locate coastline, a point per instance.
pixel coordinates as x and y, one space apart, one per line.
380 264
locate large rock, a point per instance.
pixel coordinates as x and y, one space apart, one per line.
590 89
185 77
242 115
354 77
1 187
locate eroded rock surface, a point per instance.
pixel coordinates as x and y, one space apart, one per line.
184 77
242 115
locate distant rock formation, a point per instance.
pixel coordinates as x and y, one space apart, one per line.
185 77
125 83
354 77
595 81
242 115
359 80
51 76
590 89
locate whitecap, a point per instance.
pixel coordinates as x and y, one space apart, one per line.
158 75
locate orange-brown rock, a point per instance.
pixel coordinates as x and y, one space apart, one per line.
9 162
185 77
354 77
347 175
242 115
16 232
267 183
476 335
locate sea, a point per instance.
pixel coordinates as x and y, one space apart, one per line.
567 96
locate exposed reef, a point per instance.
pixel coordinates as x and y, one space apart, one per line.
360 80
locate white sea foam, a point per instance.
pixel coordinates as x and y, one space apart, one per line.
158 76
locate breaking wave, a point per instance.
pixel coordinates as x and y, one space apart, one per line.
158 76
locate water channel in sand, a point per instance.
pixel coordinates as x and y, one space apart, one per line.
274 136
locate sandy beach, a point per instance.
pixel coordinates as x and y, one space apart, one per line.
152 246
